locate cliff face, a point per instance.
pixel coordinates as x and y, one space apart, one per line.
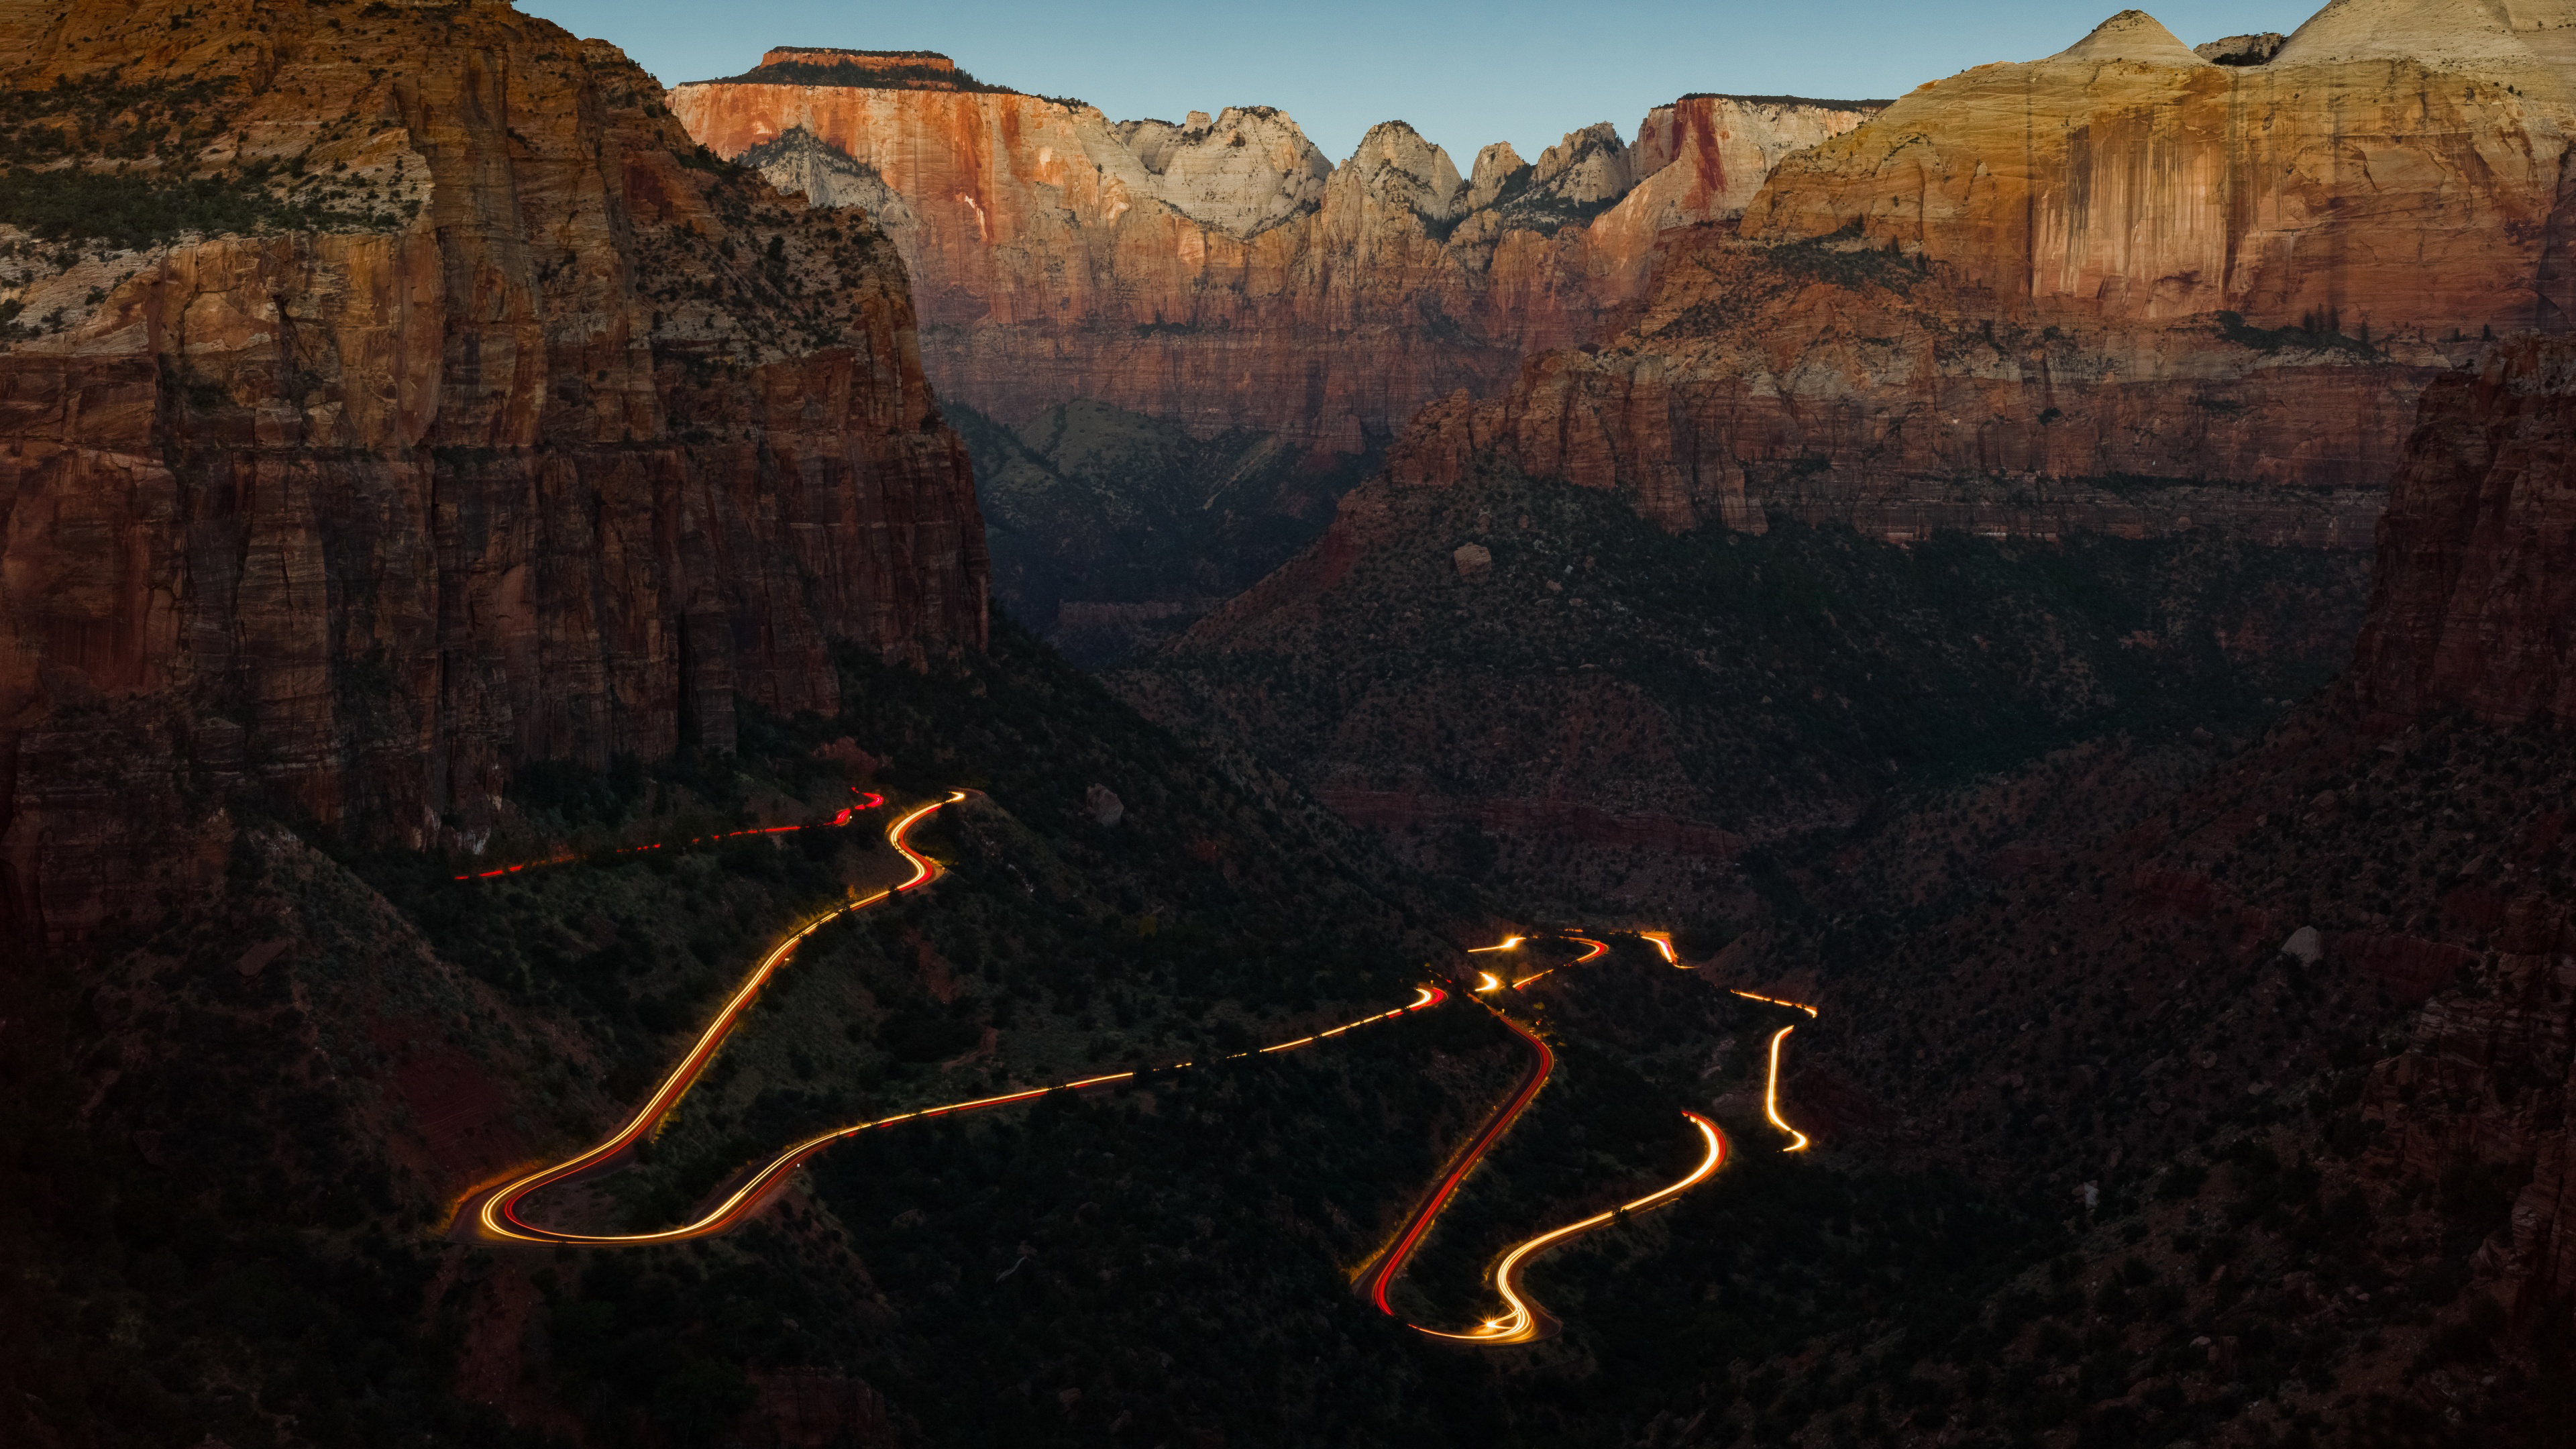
1222 272
2121 260
507 427
2472 602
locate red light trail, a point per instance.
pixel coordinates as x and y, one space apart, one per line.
1543 1061
870 802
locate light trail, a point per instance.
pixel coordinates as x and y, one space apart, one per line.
1599 950
1775 1001
1410 1235
1491 983
502 1202
1771 1090
498 1211
1663 941
747 1196
871 801
1524 1321
1506 944
1771 1094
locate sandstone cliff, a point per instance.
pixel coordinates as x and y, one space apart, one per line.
504 424
1222 272
2121 262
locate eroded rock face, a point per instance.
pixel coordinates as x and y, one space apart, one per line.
1243 172
598 440
2473 597
2241 49
1222 273
2027 277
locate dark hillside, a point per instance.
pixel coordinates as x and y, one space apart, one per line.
1479 672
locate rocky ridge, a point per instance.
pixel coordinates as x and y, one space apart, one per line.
461 413
1222 272
2027 279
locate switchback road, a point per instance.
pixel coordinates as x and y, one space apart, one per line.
496 1212
1522 1320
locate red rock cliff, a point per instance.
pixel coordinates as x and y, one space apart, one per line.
2119 261
1223 271
516 429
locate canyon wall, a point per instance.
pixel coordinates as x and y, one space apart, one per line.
1222 272
510 428
2020 297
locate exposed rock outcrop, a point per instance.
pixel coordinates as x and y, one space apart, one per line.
799 163
1221 272
2241 49
2026 278
2472 604
553 441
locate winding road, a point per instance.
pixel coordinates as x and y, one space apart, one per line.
1392 1261
1526 1322
1522 1320
496 1211
1771 1088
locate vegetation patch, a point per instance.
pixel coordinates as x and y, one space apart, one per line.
133 211
1843 260
2317 330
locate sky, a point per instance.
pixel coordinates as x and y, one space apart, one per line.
1463 72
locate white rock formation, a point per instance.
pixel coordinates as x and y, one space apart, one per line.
2257 49
805 163
1496 167
2439 34
1396 167
1246 171
1587 168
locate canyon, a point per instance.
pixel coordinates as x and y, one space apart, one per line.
2125 292
1981 307
524 433
2057 572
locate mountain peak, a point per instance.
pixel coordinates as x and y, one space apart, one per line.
2131 35
2437 33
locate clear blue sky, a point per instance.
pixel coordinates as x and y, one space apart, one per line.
1462 73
